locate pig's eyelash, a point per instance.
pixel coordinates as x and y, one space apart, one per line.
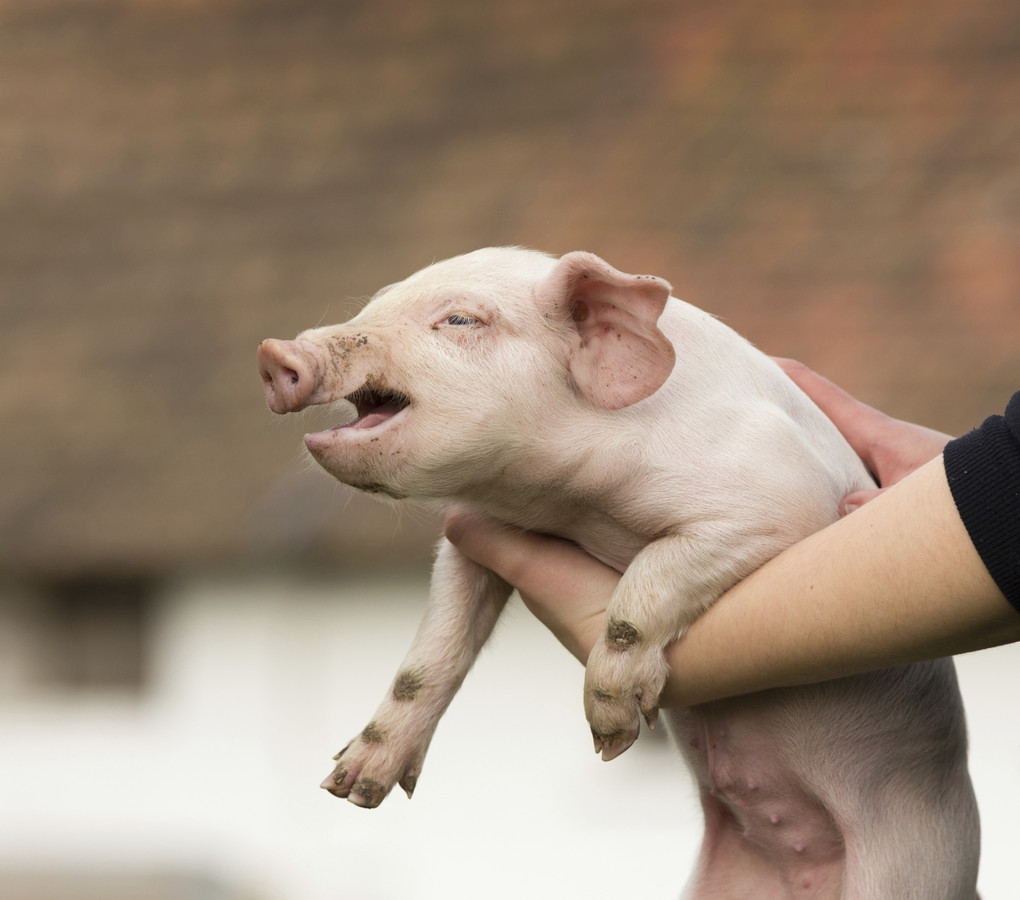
460 319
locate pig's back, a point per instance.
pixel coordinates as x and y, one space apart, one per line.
746 389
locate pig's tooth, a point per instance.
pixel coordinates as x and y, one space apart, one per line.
346 424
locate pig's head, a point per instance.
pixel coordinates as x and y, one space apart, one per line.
500 348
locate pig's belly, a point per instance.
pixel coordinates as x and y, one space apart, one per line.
763 822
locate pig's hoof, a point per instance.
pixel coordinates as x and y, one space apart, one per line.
612 745
619 690
368 768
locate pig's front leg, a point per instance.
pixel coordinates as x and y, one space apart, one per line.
464 602
666 587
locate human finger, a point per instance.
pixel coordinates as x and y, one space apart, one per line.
856 421
564 587
857 499
891 448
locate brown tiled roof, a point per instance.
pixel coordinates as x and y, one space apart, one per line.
180 179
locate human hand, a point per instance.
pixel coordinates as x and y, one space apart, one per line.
565 588
890 448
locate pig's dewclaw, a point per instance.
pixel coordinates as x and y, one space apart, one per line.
651 716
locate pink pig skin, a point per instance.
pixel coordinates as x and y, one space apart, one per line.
567 397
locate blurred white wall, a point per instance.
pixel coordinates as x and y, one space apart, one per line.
211 771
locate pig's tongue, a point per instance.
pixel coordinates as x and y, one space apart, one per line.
371 420
374 417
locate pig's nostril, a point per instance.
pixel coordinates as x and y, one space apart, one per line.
274 378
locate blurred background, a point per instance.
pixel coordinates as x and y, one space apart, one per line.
193 619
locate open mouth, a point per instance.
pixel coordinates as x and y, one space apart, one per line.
375 406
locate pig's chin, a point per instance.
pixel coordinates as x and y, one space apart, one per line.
353 450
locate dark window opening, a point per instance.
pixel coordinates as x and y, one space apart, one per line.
79 633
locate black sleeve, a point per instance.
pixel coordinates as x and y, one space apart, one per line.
983 468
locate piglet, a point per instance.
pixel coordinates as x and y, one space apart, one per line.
563 396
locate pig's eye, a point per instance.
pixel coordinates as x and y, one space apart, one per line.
460 319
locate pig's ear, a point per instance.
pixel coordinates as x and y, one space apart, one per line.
619 356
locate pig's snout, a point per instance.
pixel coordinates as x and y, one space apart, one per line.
288 375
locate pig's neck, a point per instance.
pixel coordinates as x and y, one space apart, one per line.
570 482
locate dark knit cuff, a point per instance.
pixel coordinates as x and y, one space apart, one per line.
983 469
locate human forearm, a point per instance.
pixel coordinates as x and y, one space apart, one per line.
874 589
